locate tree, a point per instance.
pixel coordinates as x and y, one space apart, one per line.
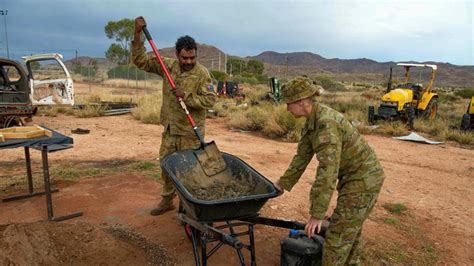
117 54
94 64
122 32
35 65
255 67
236 66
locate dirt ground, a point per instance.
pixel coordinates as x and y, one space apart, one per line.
433 182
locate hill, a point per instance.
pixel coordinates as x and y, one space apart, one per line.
299 63
306 63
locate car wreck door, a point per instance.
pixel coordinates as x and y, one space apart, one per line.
51 83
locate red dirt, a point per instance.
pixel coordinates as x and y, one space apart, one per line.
434 182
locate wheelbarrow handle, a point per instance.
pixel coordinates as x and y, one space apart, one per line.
173 85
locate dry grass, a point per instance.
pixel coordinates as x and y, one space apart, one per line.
152 84
275 122
149 108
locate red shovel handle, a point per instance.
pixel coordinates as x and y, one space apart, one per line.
173 85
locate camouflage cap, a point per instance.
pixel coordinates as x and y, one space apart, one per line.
299 88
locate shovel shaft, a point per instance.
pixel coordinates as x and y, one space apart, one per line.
173 86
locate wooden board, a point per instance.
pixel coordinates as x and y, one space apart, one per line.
23 133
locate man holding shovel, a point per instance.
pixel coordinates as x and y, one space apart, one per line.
344 159
192 81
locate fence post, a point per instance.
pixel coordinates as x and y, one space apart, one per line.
89 78
128 75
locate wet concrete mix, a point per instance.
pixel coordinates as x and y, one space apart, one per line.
220 186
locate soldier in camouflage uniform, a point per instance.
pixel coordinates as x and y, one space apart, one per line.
344 159
192 80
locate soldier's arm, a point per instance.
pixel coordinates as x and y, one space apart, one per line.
328 153
298 164
201 97
147 63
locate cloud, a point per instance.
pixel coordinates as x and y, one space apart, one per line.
382 30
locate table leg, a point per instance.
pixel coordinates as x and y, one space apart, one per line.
29 175
47 189
28 169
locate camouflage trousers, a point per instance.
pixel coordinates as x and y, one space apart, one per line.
169 144
343 237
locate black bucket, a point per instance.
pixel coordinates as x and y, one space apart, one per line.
183 163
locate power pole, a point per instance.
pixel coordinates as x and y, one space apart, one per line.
4 14
225 63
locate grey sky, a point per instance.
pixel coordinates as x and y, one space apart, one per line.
383 30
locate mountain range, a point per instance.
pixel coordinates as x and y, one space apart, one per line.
305 63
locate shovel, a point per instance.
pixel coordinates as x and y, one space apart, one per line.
208 154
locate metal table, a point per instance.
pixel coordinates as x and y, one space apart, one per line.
46 145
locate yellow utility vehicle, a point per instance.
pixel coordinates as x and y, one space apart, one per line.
407 100
467 122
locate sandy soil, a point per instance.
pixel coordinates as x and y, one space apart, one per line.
434 182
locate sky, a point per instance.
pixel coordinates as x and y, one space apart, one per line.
381 30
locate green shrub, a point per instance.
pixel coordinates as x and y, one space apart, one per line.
466 93
396 208
218 75
127 72
447 97
328 83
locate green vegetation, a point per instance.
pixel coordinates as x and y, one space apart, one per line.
328 83
145 165
275 122
122 32
396 208
218 75
406 242
465 93
75 171
390 220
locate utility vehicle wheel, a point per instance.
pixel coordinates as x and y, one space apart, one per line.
466 122
371 117
431 110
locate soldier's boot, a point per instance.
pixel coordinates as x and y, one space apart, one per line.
165 205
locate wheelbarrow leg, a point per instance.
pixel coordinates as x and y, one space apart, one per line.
241 257
203 250
194 238
252 245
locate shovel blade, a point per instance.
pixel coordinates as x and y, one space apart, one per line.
210 159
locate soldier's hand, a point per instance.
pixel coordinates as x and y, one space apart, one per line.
328 214
313 226
178 92
139 24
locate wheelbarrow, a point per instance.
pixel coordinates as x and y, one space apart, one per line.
222 220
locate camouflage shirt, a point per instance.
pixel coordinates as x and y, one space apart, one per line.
344 158
194 84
